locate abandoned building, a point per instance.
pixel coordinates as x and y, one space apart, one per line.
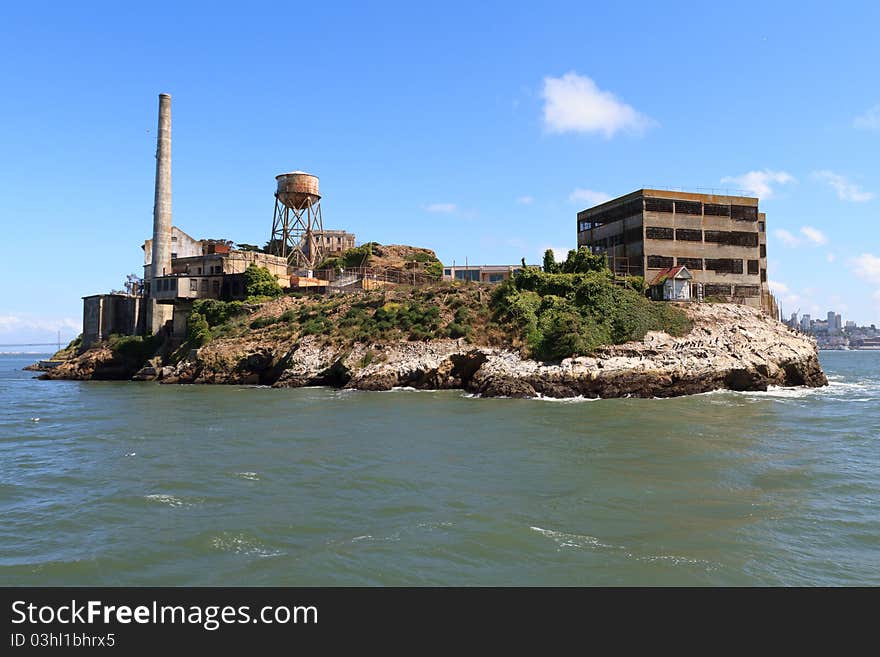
480 273
178 269
721 240
334 242
207 269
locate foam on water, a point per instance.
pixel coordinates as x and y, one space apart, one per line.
244 545
168 500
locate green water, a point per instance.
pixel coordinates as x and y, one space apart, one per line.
143 484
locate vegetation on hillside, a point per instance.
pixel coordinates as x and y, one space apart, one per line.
70 351
576 306
259 282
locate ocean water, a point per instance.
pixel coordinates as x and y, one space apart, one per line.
142 484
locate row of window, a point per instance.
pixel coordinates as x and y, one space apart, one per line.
730 237
718 265
715 289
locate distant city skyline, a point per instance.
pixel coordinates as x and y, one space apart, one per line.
477 131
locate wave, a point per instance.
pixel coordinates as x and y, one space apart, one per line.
242 544
567 540
168 500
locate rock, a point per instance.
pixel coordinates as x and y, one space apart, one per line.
145 374
730 346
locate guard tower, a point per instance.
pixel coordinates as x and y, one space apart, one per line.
297 220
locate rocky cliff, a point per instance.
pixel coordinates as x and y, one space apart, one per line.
730 346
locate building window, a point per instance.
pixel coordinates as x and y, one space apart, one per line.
725 265
762 226
659 233
688 207
215 287
716 210
713 290
447 272
174 238
753 267
467 274
659 262
688 235
198 270
496 278
690 263
659 205
763 275
193 285
763 250
732 237
744 212
204 285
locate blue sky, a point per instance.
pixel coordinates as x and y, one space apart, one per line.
475 129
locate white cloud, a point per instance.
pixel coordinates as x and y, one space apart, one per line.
444 208
10 323
811 237
814 235
573 103
786 238
867 266
525 200
846 191
778 287
759 182
870 120
784 295
830 257
588 196
559 253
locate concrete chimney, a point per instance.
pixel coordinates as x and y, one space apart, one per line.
161 256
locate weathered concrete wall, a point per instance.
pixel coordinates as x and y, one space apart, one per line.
104 314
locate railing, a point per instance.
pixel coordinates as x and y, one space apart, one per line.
352 274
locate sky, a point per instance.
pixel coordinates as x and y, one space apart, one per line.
474 129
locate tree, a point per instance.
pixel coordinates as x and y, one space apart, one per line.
259 282
550 265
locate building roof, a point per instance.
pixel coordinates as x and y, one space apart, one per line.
671 272
721 199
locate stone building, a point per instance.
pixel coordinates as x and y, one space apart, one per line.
334 242
722 240
106 314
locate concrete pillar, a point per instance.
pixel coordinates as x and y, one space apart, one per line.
158 314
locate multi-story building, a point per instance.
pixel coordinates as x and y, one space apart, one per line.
722 240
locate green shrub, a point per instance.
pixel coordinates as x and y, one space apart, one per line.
456 330
259 282
218 312
434 270
198 333
263 322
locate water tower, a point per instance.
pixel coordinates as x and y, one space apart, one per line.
297 219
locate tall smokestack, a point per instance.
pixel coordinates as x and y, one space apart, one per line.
158 314
162 201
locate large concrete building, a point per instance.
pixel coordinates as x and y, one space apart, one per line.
722 240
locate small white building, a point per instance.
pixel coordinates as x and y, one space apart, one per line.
672 284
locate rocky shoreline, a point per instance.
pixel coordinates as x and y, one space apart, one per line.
730 347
